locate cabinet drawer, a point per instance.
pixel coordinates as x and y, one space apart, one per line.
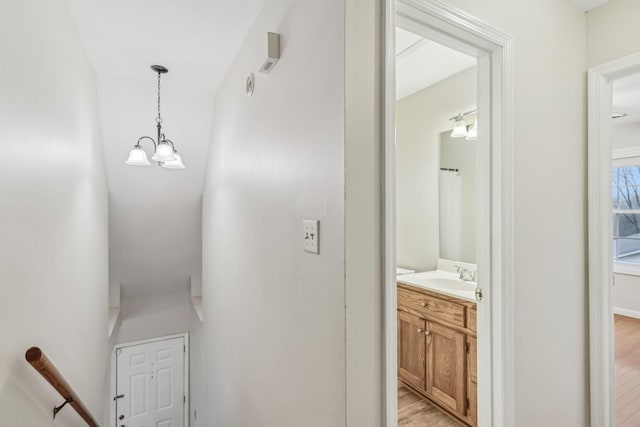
433 308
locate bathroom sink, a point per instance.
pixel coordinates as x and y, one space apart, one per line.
442 282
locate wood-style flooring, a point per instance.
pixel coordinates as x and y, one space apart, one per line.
627 376
415 411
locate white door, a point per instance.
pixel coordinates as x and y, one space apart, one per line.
150 384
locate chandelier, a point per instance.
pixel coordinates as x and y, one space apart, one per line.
164 152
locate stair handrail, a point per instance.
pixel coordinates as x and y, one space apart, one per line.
47 369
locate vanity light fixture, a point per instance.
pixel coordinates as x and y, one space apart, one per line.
164 151
460 128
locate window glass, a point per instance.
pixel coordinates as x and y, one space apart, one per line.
626 213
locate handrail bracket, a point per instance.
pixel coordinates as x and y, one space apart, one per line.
59 408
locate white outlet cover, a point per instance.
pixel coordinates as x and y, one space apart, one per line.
310 235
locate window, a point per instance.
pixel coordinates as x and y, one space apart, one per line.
626 211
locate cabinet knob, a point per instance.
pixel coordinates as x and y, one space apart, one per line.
427 333
419 330
424 304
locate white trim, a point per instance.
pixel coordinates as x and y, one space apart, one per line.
458 30
390 331
626 153
626 312
600 235
626 268
187 405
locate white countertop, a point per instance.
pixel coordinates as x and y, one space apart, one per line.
442 282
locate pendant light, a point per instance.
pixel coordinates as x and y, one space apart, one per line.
164 151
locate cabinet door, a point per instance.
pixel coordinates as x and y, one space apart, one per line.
446 380
411 349
472 385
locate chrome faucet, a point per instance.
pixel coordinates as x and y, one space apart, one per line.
466 274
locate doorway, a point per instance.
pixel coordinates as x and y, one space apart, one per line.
614 242
491 49
151 382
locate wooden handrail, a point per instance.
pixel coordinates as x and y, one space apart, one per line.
43 365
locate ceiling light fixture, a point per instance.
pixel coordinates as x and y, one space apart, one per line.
164 151
460 128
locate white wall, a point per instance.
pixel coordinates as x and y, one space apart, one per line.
363 218
197 368
274 314
550 142
625 135
53 216
612 31
153 316
421 118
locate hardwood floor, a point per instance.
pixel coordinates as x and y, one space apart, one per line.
415 411
627 374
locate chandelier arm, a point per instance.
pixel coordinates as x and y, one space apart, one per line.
149 138
170 142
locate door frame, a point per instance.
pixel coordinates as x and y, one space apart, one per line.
114 372
456 29
600 152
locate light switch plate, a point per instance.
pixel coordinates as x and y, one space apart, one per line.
310 235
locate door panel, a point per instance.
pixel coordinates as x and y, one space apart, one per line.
150 378
411 349
446 367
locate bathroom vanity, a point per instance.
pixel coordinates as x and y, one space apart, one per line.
437 344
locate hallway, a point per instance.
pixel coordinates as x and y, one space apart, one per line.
105 240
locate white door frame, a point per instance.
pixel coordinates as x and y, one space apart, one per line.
463 32
114 372
601 236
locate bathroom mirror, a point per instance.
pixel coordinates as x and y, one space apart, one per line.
457 198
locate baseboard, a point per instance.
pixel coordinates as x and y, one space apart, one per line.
627 312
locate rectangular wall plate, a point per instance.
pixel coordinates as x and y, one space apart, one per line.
310 235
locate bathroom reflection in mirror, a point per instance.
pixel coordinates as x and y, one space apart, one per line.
457 198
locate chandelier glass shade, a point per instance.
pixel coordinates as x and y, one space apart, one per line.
138 157
164 151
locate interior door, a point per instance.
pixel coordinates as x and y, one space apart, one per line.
150 384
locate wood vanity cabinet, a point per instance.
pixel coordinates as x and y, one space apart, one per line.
437 349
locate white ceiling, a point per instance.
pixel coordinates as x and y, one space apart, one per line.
587 4
421 63
155 225
626 98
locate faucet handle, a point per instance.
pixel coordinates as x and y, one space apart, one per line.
458 268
